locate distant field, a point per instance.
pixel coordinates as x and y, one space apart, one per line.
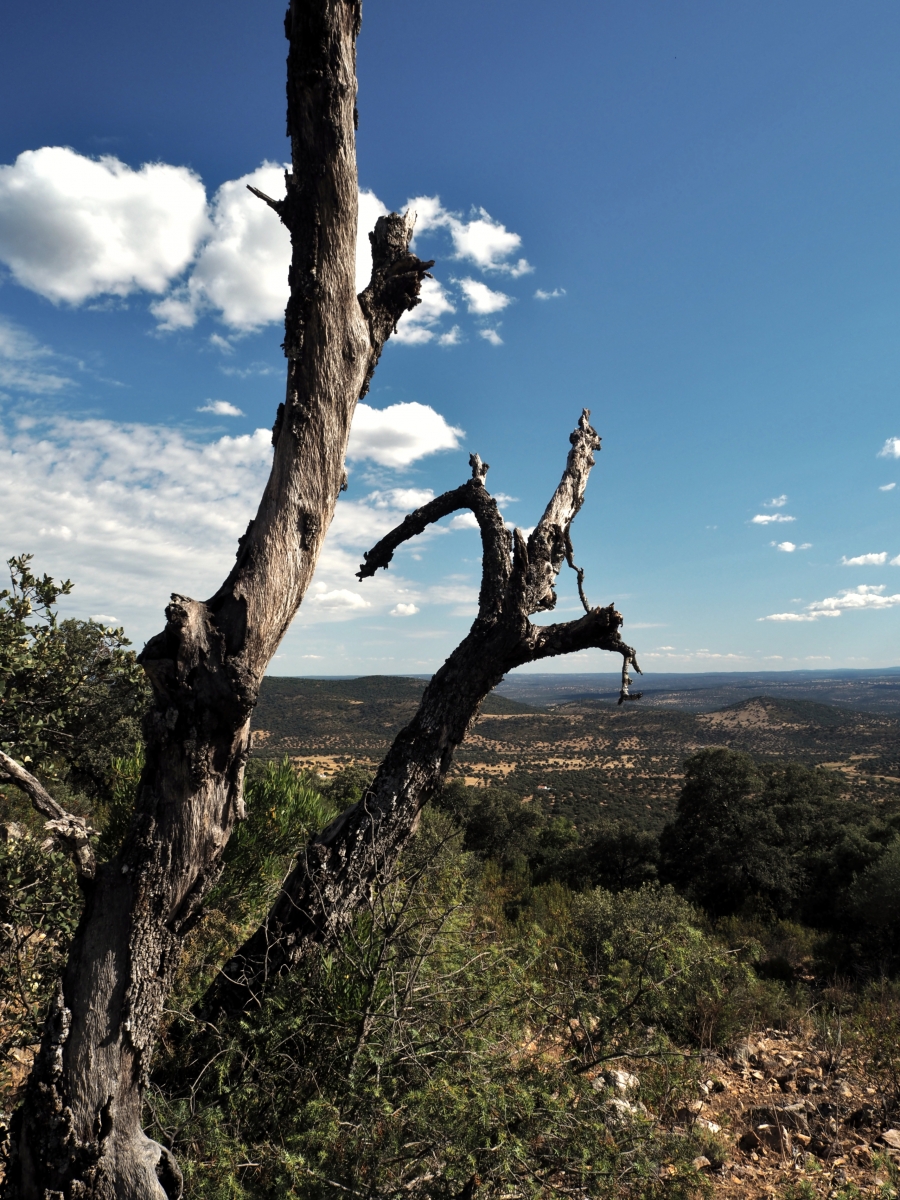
581 754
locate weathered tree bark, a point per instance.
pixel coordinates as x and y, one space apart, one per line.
78 1131
331 875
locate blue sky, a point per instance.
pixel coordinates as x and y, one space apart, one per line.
683 217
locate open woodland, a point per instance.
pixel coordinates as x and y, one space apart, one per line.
585 757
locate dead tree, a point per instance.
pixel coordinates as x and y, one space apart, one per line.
78 1130
333 874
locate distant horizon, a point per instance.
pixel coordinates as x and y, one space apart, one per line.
822 671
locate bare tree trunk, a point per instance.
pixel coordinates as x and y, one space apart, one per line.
332 875
78 1131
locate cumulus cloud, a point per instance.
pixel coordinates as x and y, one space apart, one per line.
404 610
340 599
787 547
417 325
464 520
492 336
777 502
866 560
73 227
400 498
865 596
241 270
887 487
540 294
221 408
770 519
890 449
480 240
481 299
399 434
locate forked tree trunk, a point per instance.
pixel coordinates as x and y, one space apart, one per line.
78 1131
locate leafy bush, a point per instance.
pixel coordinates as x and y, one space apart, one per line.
71 694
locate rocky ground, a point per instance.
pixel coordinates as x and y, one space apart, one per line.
795 1122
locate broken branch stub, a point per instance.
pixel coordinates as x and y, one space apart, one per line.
332 875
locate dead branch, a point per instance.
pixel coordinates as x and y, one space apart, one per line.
333 874
72 832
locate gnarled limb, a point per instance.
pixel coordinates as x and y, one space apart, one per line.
332 875
73 832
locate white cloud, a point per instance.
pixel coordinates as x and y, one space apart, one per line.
866 596
103 619
241 270
481 299
130 512
404 610
797 616
540 294
221 408
133 512
866 560
405 499
895 562
890 449
481 240
777 502
887 487
417 325
464 520
340 599
787 547
73 227
492 336
25 364
370 209
770 518
399 434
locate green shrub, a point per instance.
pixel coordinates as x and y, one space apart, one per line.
652 965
